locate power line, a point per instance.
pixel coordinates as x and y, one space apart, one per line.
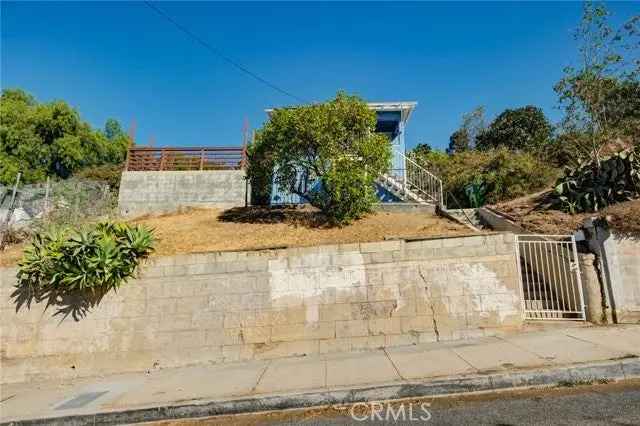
219 53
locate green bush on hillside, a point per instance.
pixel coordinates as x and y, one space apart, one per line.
502 174
107 173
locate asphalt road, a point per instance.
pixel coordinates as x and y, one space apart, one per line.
603 404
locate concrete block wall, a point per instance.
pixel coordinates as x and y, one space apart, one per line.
623 266
232 306
166 191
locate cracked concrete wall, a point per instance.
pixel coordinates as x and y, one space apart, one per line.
167 191
231 306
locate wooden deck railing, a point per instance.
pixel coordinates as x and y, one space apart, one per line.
199 158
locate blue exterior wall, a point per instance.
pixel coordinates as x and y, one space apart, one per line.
389 122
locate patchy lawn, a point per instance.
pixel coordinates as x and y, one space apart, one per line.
261 228
254 228
534 213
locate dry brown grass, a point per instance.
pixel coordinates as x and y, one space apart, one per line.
202 230
624 217
534 213
11 254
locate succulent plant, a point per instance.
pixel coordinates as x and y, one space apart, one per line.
591 186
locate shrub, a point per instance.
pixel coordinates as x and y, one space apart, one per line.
350 192
594 185
63 261
260 172
327 153
488 176
108 173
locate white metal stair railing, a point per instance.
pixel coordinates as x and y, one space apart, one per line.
394 184
413 182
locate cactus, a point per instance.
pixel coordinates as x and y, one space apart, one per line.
591 186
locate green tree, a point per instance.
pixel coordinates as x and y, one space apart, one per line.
622 107
49 139
112 129
332 143
459 141
465 138
599 95
422 149
524 128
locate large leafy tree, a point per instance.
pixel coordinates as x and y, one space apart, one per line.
327 153
524 128
50 139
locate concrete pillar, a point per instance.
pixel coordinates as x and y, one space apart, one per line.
596 310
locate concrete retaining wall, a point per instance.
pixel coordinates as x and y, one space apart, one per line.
229 306
417 208
623 267
499 222
161 192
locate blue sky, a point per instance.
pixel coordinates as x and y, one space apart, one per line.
122 60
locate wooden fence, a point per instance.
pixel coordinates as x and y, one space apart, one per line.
199 158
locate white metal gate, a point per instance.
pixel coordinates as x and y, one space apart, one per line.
550 277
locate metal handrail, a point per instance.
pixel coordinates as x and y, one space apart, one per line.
461 209
421 180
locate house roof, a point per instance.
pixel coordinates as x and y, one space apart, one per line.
404 107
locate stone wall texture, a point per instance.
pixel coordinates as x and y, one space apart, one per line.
231 306
623 264
161 192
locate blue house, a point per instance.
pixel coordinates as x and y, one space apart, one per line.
405 181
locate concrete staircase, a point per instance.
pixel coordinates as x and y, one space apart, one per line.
398 189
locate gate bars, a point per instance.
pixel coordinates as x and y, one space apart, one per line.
550 277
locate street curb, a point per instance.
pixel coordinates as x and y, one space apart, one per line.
628 368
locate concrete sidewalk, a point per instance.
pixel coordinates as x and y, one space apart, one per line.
534 358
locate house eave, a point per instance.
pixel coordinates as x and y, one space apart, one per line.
405 107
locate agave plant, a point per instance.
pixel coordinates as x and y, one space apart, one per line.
592 186
64 261
476 192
